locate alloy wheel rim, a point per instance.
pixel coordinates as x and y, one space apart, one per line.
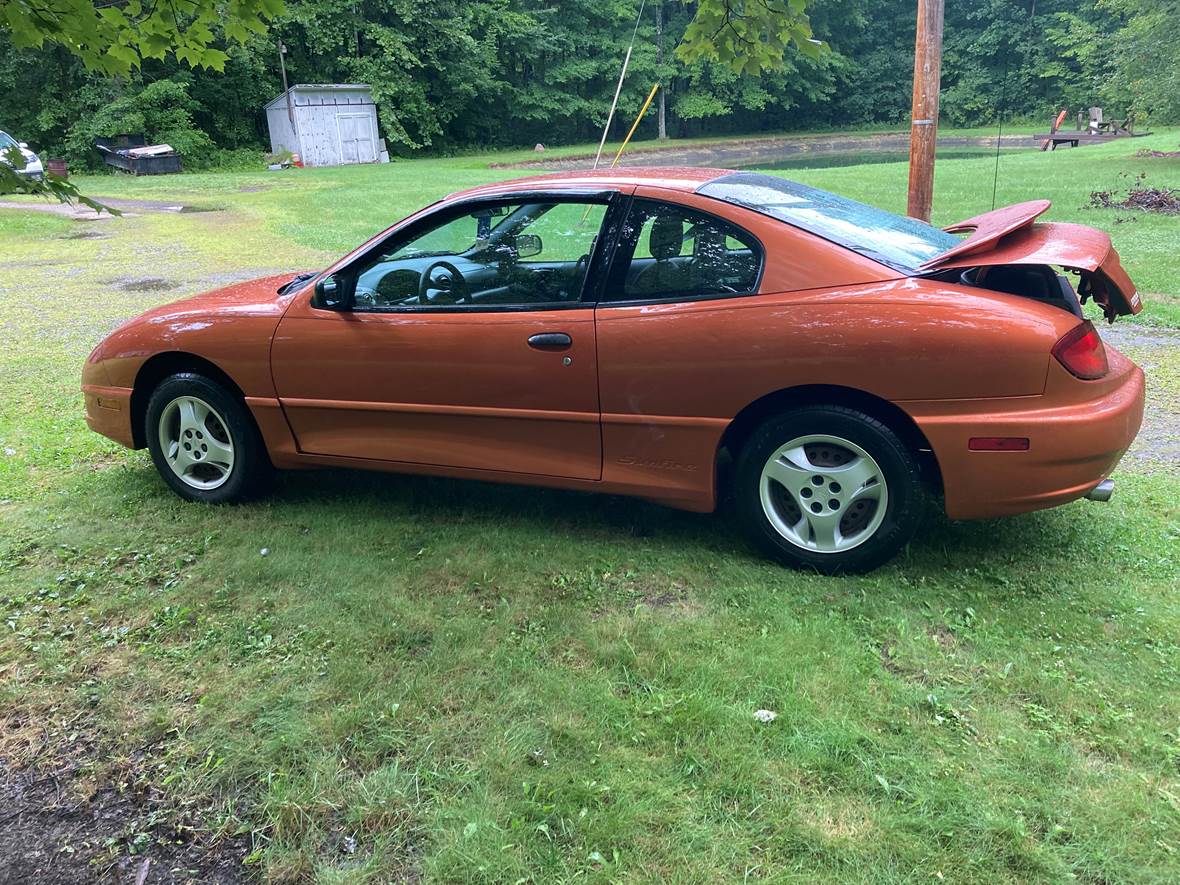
823 493
196 443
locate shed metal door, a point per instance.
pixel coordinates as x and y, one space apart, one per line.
356 138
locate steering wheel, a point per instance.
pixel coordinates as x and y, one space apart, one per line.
450 288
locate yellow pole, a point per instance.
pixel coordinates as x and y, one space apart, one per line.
635 125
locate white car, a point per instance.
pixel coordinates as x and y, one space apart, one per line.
33 167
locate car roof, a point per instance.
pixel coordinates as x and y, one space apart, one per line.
679 178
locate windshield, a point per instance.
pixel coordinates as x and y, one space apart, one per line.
6 141
900 242
461 237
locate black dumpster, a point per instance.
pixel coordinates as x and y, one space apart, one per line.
132 154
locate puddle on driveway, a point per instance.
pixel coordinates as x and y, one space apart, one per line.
800 152
834 159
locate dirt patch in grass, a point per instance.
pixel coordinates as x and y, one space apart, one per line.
838 818
60 824
84 235
149 284
891 664
889 660
129 208
671 598
943 636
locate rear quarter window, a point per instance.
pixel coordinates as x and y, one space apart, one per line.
894 240
667 251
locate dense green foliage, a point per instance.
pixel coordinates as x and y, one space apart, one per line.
115 37
111 39
1147 56
455 74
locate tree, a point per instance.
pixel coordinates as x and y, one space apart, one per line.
1146 59
750 36
451 75
115 38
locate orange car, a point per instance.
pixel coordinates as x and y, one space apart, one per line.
632 331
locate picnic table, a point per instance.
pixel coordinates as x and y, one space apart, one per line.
1092 129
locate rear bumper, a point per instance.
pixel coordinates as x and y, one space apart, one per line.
108 411
1072 447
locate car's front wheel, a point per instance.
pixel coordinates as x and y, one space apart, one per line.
828 488
204 442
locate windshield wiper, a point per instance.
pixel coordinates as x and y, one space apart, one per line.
296 280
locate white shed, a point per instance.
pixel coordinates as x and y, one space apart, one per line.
326 124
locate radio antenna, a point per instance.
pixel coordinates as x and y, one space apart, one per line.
1032 12
996 173
619 88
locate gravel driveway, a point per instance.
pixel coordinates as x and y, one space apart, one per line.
1157 351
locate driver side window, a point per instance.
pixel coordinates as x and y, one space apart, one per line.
524 254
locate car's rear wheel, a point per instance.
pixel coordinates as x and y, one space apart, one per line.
828 488
204 442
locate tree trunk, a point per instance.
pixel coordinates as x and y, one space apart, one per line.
662 115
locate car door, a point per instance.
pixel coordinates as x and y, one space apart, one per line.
667 352
462 342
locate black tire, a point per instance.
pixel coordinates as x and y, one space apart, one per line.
250 471
881 535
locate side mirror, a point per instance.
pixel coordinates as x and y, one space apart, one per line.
24 145
331 293
528 245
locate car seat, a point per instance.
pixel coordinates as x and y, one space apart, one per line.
665 241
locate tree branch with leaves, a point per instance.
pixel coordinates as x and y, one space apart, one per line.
114 37
749 36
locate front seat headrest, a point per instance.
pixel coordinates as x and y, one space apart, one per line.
666 238
709 241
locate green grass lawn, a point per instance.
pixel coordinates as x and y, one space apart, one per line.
463 682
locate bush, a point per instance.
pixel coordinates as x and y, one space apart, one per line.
162 111
236 160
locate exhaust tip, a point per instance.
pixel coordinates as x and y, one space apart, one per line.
1102 491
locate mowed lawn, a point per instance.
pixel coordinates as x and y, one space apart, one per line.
458 682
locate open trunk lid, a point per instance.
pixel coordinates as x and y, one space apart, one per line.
1012 236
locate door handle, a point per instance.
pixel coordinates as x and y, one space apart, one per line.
550 340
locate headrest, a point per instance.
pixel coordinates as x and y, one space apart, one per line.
709 241
666 237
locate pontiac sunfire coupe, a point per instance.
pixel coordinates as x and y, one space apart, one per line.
631 331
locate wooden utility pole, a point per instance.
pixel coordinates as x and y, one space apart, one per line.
924 126
286 90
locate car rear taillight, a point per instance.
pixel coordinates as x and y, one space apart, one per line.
1080 350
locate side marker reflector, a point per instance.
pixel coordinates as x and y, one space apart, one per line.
998 444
